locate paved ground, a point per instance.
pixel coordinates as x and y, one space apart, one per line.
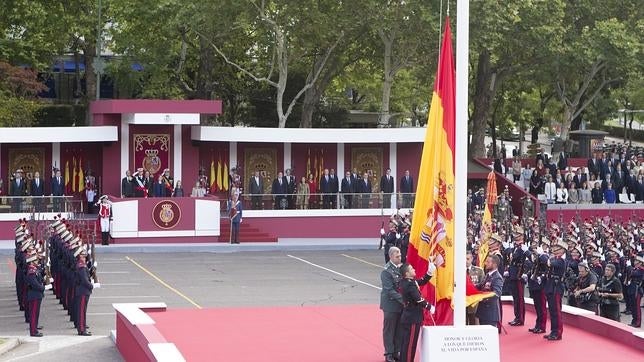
190 280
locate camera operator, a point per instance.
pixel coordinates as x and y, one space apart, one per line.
610 293
584 292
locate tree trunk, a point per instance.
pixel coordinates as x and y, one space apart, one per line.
568 112
89 51
388 81
311 99
483 94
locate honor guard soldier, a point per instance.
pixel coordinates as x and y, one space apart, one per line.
390 238
635 282
391 304
35 293
554 289
83 291
105 216
414 304
517 275
536 285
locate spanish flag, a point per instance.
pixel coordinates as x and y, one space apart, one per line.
225 177
219 171
432 234
213 180
74 175
81 176
486 227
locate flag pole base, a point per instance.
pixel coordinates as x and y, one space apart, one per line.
456 344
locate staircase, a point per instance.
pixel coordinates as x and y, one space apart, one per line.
247 233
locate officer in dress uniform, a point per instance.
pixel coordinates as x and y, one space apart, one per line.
390 238
391 304
235 214
105 216
536 284
636 277
83 291
554 289
517 275
35 293
412 316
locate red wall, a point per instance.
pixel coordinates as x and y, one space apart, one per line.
190 161
322 227
241 156
90 154
385 155
408 158
112 174
209 151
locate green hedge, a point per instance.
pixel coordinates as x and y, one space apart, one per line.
638 135
60 115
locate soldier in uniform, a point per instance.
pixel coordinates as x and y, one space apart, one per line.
105 216
517 275
390 238
476 275
489 310
554 289
609 290
391 304
635 282
412 315
536 284
82 293
235 215
35 293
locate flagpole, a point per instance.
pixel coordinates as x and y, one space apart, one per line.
460 169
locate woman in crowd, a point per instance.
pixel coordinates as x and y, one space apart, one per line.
178 190
302 198
527 173
639 187
568 180
585 196
550 190
561 195
516 168
609 194
597 194
540 168
536 187
313 187
573 194
198 191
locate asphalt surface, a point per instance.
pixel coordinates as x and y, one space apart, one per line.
189 280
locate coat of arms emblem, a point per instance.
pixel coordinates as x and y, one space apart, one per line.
152 162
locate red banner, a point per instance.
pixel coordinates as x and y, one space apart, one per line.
152 152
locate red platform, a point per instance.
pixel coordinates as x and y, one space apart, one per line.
343 333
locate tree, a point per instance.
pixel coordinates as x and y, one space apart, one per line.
18 90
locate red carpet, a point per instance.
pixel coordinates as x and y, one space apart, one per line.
342 333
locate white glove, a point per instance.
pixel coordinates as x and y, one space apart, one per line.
628 263
506 274
524 247
539 250
601 250
96 285
505 244
639 248
48 287
432 310
240 220
618 245
382 231
563 256
619 252
431 269
397 236
539 280
524 277
603 258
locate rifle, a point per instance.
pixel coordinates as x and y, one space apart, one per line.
93 274
382 237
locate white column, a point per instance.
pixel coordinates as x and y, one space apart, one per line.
176 158
339 169
55 158
393 165
125 145
460 157
232 155
287 156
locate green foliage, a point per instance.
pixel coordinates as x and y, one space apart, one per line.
17 112
60 115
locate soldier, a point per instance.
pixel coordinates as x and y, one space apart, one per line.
105 216
412 315
610 293
83 291
476 275
536 284
391 304
517 275
35 293
554 289
390 238
637 275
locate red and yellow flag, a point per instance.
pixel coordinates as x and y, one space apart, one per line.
432 234
213 179
486 224
225 177
219 174
81 176
74 175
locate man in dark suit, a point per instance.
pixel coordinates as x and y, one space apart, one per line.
127 185
562 163
325 188
347 189
387 188
391 304
256 189
37 191
364 188
57 190
278 190
334 187
579 178
594 166
18 189
291 186
407 189
488 311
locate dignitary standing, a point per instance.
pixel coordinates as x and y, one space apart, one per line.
279 190
256 189
407 190
57 190
37 191
387 188
127 185
517 275
347 189
235 214
18 190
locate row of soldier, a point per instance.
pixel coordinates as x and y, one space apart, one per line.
60 262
